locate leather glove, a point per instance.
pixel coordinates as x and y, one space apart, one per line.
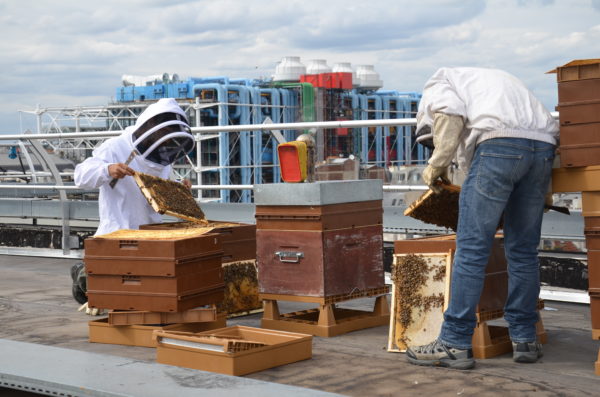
431 174
90 311
447 130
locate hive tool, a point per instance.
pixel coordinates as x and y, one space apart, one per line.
134 152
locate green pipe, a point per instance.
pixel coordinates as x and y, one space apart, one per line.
308 98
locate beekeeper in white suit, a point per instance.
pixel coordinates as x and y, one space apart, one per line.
504 140
160 136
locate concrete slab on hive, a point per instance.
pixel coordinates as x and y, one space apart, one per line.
318 193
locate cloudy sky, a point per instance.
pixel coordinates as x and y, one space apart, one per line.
67 53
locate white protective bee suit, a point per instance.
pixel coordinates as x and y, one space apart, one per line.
470 105
161 135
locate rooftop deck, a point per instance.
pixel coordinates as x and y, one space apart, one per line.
36 307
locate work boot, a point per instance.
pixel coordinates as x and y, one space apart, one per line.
436 354
526 352
79 287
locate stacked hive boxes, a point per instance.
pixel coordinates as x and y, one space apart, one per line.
153 272
238 241
320 242
579 112
579 109
315 240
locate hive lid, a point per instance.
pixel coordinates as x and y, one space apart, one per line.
318 193
577 62
169 197
152 234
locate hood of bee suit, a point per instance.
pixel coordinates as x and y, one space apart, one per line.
162 134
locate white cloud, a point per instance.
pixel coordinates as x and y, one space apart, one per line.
68 52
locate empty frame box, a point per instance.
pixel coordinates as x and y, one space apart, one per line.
234 350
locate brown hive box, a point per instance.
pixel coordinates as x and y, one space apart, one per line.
579 69
154 270
139 317
319 217
320 263
577 179
238 240
100 331
234 350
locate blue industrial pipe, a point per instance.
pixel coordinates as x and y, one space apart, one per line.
210 80
276 96
244 138
257 118
223 136
378 130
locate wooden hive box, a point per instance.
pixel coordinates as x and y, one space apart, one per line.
154 270
320 263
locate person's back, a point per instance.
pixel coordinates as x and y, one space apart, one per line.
506 141
492 104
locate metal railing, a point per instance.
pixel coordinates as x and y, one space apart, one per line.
49 169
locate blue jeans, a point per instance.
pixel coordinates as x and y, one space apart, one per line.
510 176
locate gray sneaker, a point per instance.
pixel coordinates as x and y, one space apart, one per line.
526 352
436 354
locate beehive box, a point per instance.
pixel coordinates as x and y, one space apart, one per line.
140 317
320 263
100 331
319 217
581 112
149 253
234 350
158 271
578 90
319 239
578 179
580 69
494 293
238 240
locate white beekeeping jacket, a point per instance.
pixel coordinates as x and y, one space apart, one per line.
124 206
493 104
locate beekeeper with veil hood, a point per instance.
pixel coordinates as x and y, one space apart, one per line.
160 136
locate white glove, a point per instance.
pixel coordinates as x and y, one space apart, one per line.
431 174
90 311
447 130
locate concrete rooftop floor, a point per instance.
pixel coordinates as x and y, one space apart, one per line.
36 306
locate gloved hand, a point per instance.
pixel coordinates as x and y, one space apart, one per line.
431 174
90 311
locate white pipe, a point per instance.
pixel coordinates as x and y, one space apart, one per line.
388 188
236 128
228 128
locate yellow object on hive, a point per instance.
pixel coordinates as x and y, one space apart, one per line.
292 161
